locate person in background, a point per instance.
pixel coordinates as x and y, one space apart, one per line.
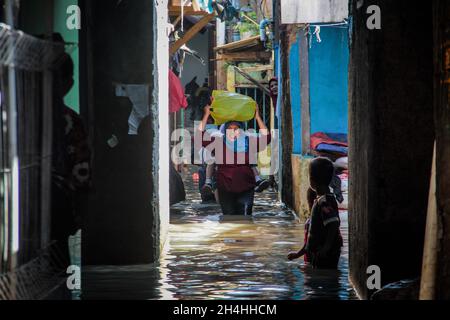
71 174
273 88
235 180
209 186
324 241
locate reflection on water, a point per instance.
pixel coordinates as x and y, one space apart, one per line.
209 256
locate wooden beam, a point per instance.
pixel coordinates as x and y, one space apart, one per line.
176 11
252 56
240 44
187 3
265 67
191 33
252 80
250 19
177 20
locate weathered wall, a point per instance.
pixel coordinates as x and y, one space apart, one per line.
300 185
308 11
160 112
442 118
391 140
119 227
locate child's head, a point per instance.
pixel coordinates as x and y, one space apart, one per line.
321 171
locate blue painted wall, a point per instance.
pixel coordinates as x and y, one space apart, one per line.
276 52
294 74
328 67
328 63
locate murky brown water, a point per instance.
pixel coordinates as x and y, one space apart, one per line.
209 256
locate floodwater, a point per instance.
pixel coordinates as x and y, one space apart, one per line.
210 256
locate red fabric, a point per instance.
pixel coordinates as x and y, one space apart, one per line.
235 177
177 99
320 137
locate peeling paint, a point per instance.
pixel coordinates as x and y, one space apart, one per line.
159 111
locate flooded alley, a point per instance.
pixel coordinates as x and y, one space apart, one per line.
210 256
190 150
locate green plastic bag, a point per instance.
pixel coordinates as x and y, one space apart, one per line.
230 106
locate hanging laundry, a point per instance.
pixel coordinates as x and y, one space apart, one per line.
317 34
177 99
226 11
206 5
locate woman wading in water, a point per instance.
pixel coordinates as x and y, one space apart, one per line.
235 153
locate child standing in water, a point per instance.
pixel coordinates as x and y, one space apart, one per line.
324 241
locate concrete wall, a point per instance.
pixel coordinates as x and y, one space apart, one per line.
313 11
300 185
391 140
442 118
160 112
123 222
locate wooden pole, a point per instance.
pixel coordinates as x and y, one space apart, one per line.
305 93
429 265
177 20
221 72
191 33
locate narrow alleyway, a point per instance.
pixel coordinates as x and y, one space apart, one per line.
209 256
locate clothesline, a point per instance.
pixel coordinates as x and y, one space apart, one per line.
344 23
